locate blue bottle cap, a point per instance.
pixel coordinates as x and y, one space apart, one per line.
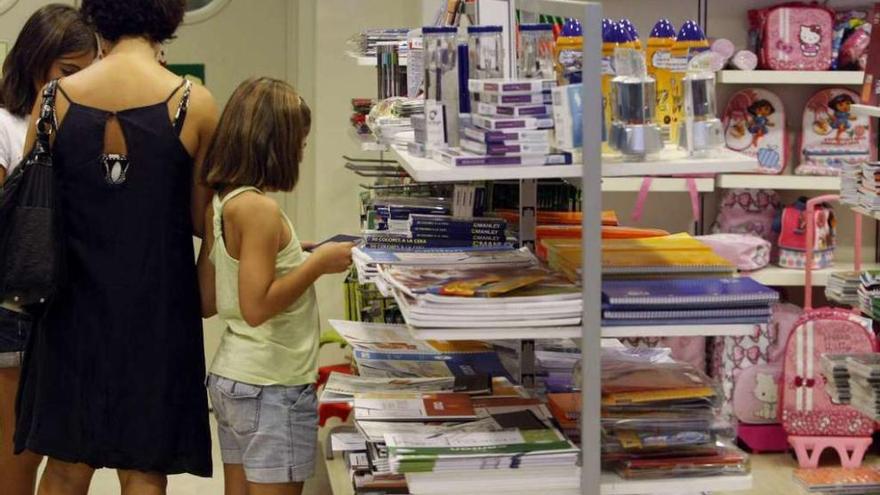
663 29
617 34
630 29
484 29
572 27
536 27
690 31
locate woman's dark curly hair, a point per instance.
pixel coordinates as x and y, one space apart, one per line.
156 20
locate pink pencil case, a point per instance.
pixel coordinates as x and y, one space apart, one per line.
747 252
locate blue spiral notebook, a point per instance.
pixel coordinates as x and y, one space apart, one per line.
686 293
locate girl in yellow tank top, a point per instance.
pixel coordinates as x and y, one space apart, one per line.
255 275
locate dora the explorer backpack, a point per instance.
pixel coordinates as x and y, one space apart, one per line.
832 137
754 124
811 420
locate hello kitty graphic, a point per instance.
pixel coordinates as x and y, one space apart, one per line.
766 391
810 38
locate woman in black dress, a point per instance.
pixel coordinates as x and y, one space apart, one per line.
113 375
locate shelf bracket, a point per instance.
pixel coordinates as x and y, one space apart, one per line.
528 212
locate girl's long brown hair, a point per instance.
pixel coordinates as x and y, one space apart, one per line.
51 32
260 139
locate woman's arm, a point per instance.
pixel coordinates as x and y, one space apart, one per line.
259 223
207 280
209 117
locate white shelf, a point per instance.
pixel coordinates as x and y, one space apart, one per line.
615 485
669 162
775 276
366 61
659 184
778 182
866 110
367 142
820 78
862 211
678 331
452 334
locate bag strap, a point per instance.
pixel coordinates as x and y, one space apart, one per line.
47 123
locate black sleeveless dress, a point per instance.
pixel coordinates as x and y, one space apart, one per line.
114 373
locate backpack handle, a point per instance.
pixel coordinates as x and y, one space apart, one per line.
809 241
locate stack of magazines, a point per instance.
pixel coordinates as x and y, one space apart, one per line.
869 187
836 373
864 381
701 301
660 419
869 293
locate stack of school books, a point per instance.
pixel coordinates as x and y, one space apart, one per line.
660 420
701 301
566 410
869 187
836 374
489 298
385 351
869 293
556 363
367 260
850 183
839 481
864 382
512 124
843 288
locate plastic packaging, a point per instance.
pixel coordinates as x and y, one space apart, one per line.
415 65
701 132
634 130
570 53
441 85
689 43
535 52
486 52
744 60
659 45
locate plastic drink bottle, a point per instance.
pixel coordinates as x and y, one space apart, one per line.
659 46
689 43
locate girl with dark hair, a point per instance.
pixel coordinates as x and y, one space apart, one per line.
840 107
114 376
759 120
55 42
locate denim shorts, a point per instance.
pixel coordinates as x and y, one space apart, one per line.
271 431
15 328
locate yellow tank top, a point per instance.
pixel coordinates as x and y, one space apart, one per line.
281 351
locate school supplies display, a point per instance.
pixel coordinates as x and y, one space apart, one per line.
838 481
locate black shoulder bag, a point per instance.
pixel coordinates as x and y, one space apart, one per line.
31 260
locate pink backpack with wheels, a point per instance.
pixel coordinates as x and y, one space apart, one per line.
811 420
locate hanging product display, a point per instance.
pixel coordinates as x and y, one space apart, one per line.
535 52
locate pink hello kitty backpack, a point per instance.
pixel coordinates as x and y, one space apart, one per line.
794 36
754 124
832 137
811 420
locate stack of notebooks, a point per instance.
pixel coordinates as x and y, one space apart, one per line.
836 374
660 420
839 481
641 255
566 410
495 298
869 293
864 382
390 351
850 183
702 301
869 187
843 288
367 260
556 364
512 125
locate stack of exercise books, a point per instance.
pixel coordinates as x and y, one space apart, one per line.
869 293
556 364
512 124
850 183
836 373
660 419
673 256
839 481
390 351
700 301
864 382
494 298
869 187
843 288
367 260
566 410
